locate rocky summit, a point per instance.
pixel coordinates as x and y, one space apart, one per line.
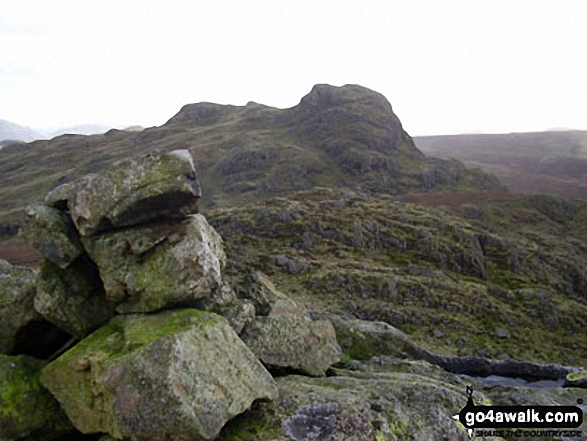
346 137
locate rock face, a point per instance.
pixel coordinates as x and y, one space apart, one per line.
173 375
133 192
27 409
159 265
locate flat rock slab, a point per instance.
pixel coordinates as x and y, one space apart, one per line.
176 375
159 265
131 192
27 409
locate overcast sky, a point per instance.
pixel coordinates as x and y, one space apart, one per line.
446 66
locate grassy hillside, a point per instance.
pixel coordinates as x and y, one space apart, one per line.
335 137
503 278
542 162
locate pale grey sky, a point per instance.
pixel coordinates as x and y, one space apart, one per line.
445 66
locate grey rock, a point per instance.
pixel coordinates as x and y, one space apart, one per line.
131 192
159 265
177 375
72 299
52 233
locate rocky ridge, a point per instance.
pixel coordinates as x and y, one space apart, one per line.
156 339
335 137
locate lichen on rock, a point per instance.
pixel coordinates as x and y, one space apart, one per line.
173 375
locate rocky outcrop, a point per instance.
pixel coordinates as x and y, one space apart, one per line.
180 374
27 409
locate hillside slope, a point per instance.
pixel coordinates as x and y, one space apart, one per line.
335 137
542 162
503 279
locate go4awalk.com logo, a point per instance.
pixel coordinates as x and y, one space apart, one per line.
520 421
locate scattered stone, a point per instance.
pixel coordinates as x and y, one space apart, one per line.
437 333
173 375
501 333
159 265
27 409
131 192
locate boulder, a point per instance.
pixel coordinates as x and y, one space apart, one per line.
27 409
73 298
175 375
159 265
361 339
292 342
131 192
283 336
22 329
52 233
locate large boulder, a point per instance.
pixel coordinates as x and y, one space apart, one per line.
282 335
73 298
286 342
27 409
131 192
176 375
159 265
52 233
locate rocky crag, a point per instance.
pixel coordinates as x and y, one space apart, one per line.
335 137
136 328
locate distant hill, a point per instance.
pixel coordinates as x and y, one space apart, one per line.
84 129
552 162
345 137
14 132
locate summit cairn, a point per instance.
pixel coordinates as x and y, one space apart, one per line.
133 273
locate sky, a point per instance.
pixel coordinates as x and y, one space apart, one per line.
468 66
